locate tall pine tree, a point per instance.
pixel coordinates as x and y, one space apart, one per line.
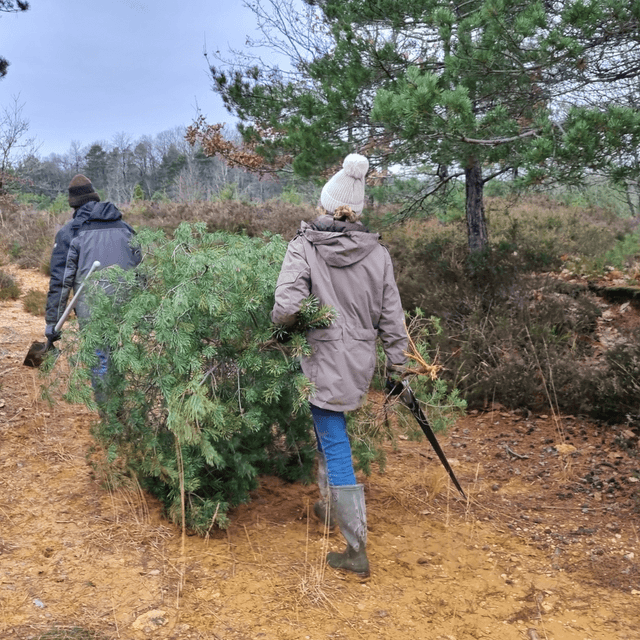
10 6
461 90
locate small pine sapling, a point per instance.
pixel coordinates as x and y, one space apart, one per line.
197 407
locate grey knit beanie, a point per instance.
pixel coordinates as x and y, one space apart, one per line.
81 191
346 188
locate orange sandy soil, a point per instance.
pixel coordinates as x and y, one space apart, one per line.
540 550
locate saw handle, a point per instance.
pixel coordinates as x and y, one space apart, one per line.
401 388
72 304
394 387
407 397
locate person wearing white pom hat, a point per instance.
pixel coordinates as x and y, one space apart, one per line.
344 265
346 188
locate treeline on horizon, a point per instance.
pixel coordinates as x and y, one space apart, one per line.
160 168
166 168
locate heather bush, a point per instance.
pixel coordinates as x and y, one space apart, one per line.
34 302
253 219
617 392
434 269
542 230
524 345
510 333
9 289
27 233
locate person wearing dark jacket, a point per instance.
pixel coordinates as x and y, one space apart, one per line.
344 265
96 232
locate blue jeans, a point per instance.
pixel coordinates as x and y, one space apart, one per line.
331 433
99 376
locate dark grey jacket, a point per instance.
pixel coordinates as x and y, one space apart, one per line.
96 232
346 267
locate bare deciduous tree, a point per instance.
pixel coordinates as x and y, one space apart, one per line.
14 145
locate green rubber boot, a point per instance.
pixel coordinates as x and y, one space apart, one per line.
349 508
322 508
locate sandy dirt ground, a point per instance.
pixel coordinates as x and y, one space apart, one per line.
545 547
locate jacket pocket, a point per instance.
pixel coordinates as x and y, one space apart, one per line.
360 333
325 334
287 277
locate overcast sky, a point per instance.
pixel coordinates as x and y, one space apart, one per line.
87 70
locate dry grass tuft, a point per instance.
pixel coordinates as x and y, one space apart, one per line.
308 586
417 493
70 633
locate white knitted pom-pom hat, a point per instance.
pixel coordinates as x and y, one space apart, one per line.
346 188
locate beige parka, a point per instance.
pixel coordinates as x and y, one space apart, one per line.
344 266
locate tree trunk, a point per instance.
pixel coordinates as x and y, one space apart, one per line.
631 190
476 223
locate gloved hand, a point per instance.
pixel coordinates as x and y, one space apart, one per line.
397 372
51 334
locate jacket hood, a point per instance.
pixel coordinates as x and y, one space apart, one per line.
103 211
342 244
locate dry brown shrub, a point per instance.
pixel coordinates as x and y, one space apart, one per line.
537 222
9 288
27 235
510 333
272 216
34 302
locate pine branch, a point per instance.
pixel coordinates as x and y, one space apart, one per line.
312 315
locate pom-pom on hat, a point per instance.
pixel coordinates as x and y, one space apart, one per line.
346 188
81 191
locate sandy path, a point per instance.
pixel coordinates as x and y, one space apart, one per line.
515 562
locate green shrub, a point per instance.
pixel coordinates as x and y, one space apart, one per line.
289 195
229 192
138 193
60 205
625 252
9 289
160 197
